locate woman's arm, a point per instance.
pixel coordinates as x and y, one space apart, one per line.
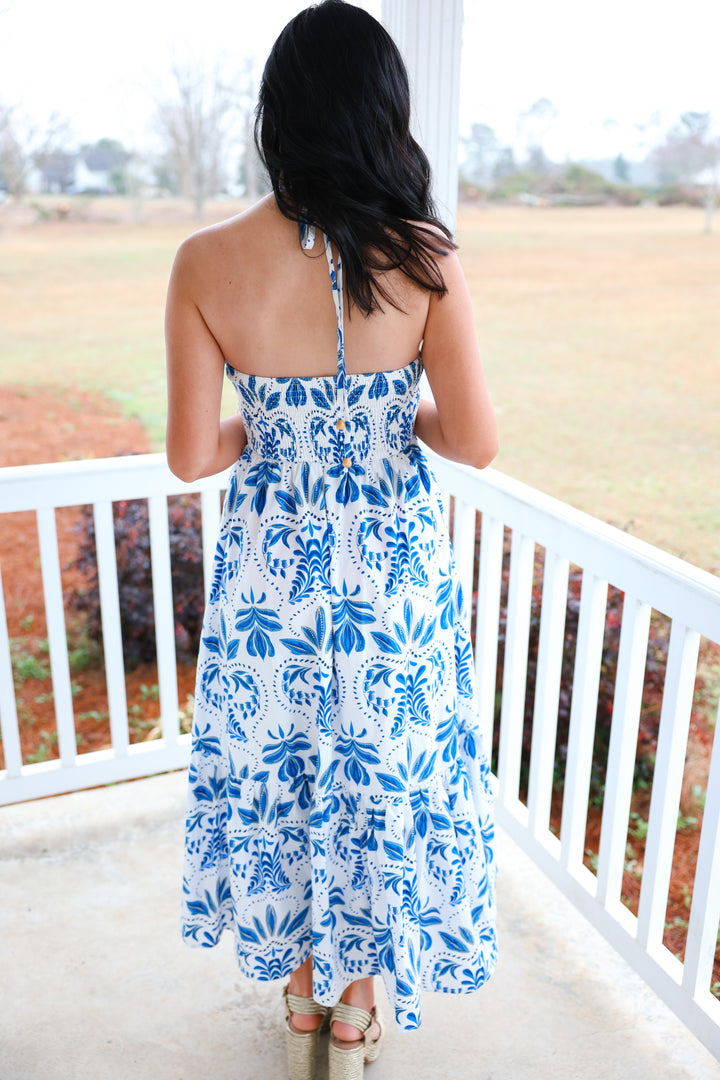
460 424
198 442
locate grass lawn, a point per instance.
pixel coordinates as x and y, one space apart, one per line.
601 332
599 326
82 305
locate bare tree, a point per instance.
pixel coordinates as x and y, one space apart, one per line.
251 173
23 146
532 129
55 156
712 185
198 125
16 139
482 150
691 154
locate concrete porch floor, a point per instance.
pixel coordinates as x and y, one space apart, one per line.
96 982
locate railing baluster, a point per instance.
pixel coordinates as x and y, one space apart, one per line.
581 735
112 634
464 552
547 690
488 618
8 708
164 620
210 503
515 665
623 743
667 782
705 907
57 635
445 504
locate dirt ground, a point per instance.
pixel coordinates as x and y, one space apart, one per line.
60 424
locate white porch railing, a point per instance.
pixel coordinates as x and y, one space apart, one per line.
649 579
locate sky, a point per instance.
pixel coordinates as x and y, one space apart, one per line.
618 72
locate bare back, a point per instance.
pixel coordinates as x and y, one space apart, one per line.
269 306
245 293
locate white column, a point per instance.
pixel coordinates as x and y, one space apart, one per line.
429 35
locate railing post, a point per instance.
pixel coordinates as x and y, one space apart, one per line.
57 635
164 617
705 909
464 552
112 634
581 735
667 782
517 631
210 509
8 708
621 752
547 690
488 618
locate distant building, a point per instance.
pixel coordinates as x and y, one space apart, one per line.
98 168
54 173
94 169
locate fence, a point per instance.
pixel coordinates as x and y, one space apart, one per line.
650 581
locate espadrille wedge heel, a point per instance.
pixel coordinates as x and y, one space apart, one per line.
346 1062
301 1045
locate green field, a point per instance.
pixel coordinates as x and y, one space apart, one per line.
600 329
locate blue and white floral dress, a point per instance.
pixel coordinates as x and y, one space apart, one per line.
339 799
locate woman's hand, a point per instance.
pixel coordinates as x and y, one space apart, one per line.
198 443
460 424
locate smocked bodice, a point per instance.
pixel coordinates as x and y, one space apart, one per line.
313 419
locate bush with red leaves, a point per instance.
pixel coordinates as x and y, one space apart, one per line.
132 547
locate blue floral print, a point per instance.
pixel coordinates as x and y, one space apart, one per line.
339 796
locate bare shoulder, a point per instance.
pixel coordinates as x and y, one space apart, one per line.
453 274
433 230
445 252
209 251
437 236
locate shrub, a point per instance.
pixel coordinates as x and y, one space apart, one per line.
626 195
524 180
578 180
132 547
681 195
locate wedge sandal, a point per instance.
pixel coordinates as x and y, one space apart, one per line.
346 1063
302 1045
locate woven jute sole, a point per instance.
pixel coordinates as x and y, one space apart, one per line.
301 1050
346 1064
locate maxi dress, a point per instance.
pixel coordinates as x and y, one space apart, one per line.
339 797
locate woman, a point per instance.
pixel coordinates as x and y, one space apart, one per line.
339 813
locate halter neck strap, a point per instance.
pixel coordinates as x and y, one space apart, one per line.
307 239
336 277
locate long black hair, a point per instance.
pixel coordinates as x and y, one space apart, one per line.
332 127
